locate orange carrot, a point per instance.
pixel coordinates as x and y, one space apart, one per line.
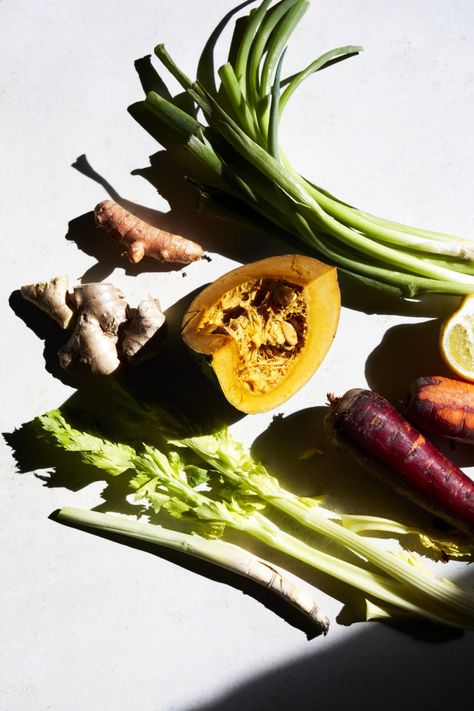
142 239
443 407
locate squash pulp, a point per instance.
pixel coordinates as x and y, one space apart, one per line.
265 328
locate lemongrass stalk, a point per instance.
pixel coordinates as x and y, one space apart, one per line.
218 552
240 561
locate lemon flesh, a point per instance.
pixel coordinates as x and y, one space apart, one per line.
457 340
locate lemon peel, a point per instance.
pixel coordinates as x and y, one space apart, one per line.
456 341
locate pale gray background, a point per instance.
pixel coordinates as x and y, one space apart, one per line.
86 623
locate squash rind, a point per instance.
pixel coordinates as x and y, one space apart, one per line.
322 299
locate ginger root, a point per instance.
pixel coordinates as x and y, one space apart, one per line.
143 323
50 297
105 329
142 239
100 311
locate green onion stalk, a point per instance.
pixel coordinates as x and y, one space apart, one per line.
236 145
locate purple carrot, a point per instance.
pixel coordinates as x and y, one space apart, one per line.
371 429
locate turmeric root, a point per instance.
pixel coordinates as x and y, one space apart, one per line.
142 239
105 329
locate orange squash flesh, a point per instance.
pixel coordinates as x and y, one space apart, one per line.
265 328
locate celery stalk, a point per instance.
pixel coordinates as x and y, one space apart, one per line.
218 552
168 478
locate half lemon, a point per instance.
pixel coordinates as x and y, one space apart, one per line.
457 340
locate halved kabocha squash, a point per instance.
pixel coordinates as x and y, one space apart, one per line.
264 328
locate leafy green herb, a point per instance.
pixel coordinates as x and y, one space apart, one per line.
237 145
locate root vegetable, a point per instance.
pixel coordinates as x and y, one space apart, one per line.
105 329
50 297
370 429
143 323
443 407
101 310
142 239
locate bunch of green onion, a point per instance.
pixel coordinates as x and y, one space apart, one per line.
231 130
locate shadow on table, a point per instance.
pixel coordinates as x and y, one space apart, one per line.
366 672
406 352
168 172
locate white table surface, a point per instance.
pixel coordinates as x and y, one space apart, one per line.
89 623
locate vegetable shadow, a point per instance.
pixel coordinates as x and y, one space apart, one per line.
406 352
173 175
54 468
95 242
392 367
48 331
360 297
